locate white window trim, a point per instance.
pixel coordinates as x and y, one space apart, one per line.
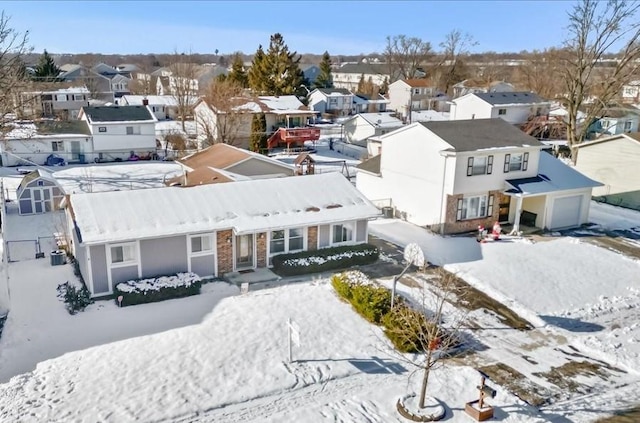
124 263
354 235
486 206
511 161
305 239
205 252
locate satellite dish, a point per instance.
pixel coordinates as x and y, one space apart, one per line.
413 254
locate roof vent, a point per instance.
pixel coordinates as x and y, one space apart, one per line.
334 206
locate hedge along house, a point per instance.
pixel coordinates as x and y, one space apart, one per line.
38 192
210 229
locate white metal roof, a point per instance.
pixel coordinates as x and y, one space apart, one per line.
244 206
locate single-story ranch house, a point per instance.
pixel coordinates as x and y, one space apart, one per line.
210 229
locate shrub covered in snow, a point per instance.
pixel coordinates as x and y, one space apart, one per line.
76 298
140 291
316 261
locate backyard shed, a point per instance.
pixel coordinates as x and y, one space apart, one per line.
38 192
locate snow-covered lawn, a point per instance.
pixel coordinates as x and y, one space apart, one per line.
39 328
233 367
326 160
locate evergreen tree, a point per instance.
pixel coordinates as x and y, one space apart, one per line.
385 86
361 84
277 72
46 70
324 79
256 75
258 137
237 74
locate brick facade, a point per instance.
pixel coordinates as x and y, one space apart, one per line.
225 251
261 249
312 238
452 226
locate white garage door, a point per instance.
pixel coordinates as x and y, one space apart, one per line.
566 212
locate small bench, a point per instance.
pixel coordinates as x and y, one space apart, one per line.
528 219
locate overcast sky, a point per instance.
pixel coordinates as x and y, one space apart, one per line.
341 27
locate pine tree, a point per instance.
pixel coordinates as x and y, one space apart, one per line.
277 72
361 84
258 137
237 74
46 70
385 86
324 79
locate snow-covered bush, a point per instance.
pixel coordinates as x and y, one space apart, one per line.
140 291
76 298
323 260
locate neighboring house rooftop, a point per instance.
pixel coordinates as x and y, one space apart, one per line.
635 136
553 175
222 156
334 91
204 175
366 68
619 112
163 100
478 134
50 127
418 83
381 120
371 165
245 206
117 113
516 97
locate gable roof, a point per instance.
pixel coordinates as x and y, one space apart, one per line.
478 134
366 68
223 156
553 175
371 165
380 120
633 136
417 83
513 97
200 176
117 114
245 206
279 105
334 91
49 127
163 100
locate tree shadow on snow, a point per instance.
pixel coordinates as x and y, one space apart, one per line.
572 325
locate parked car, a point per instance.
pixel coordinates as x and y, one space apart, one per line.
53 160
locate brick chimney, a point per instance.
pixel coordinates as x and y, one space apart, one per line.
145 102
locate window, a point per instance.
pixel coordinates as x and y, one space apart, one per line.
201 244
627 126
342 233
102 129
277 242
515 162
502 112
61 97
474 207
57 145
123 254
479 165
416 91
133 130
296 239
78 97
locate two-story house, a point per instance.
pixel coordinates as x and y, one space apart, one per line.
614 121
232 122
99 85
120 132
407 95
514 107
369 104
454 176
64 103
333 101
349 75
162 106
631 92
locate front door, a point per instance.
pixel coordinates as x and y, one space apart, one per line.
244 251
75 150
503 213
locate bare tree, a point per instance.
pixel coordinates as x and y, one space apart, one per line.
183 84
406 56
450 68
427 329
13 81
595 29
223 98
539 73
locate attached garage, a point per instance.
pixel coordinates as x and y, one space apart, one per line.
566 212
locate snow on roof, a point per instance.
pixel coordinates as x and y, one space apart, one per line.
163 100
283 102
427 115
381 120
553 175
245 206
165 127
